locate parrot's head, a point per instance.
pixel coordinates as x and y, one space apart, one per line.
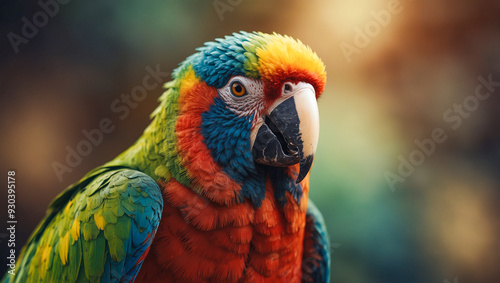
246 104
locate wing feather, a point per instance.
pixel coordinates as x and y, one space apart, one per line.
316 258
99 233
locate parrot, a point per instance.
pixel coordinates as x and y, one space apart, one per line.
214 190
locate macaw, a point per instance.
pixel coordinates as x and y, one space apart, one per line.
216 188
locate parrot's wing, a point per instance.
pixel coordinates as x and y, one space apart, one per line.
102 232
316 258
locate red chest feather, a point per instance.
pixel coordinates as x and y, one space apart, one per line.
203 241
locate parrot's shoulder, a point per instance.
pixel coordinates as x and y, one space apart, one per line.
98 229
316 257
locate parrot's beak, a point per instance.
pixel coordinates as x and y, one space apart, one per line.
289 131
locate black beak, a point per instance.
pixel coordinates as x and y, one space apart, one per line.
290 131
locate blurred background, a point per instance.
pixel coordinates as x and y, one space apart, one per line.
397 71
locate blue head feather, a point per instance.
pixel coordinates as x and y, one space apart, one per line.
217 62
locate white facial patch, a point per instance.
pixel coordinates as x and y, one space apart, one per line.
251 103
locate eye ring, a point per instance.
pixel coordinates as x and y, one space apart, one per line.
238 89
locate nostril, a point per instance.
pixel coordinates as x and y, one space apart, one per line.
288 87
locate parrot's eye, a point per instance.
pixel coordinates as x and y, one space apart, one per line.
238 89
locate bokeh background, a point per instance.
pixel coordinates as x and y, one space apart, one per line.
439 224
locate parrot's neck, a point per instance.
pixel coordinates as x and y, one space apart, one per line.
145 155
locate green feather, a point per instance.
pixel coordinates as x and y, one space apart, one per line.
122 228
128 205
74 260
93 257
89 230
109 216
84 216
116 249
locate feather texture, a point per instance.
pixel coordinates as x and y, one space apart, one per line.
187 202
96 236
